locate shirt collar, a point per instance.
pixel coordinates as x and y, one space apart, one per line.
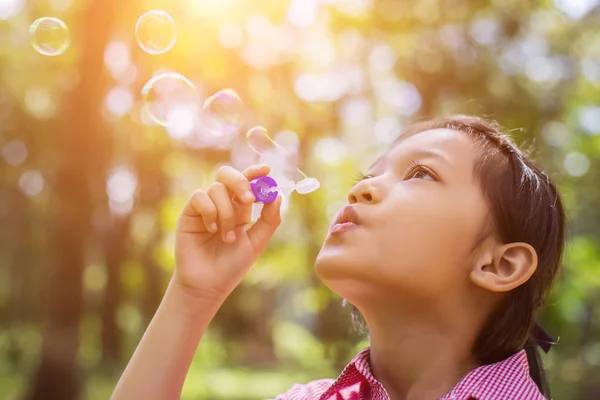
481 383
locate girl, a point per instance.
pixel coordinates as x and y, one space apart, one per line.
447 247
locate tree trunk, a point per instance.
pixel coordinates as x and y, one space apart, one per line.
79 147
56 376
18 259
115 244
154 277
153 190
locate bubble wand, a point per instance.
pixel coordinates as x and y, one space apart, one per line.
266 188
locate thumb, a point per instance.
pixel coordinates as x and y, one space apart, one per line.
262 230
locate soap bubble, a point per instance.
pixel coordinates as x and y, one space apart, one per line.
223 113
260 142
258 139
49 36
167 94
155 32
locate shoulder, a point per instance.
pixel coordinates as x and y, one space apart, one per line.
507 379
309 391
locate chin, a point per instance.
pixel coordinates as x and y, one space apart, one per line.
344 274
335 264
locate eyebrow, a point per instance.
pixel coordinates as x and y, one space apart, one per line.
420 154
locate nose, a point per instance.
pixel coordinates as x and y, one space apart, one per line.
364 192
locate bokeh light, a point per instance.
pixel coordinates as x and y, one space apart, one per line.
155 32
14 152
117 59
182 121
231 36
119 101
589 118
303 13
60 6
10 8
331 151
49 36
555 134
31 183
121 186
575 9
576 164
40 103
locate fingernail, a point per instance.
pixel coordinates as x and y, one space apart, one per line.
248 196
213 227
230 237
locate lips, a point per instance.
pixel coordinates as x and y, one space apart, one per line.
347 215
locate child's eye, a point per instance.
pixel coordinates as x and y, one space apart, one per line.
420 174
420 171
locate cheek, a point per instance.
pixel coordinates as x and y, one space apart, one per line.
429 240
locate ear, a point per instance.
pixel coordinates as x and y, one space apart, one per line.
509 266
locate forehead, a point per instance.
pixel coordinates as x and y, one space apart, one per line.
457 147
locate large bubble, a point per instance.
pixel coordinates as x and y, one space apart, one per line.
223 113
259 140
168 96
49 36
155 32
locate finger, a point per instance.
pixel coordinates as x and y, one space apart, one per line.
236 183
225 215
201 204
256 171
262 230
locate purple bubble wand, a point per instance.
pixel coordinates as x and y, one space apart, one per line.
266 189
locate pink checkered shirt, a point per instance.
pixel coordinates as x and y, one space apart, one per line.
507 379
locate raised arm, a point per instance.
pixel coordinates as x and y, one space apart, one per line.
214 248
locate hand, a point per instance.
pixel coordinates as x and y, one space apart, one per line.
214 244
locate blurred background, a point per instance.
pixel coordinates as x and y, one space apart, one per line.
93 172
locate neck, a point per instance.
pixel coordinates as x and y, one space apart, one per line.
416 359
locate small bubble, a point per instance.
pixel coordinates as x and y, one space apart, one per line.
155 32
258 139
49 36
223 113
169 93
260 142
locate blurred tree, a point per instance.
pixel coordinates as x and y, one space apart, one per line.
116 245
81 153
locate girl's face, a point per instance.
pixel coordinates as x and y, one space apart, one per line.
418 215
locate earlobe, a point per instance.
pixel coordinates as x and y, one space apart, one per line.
511 266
